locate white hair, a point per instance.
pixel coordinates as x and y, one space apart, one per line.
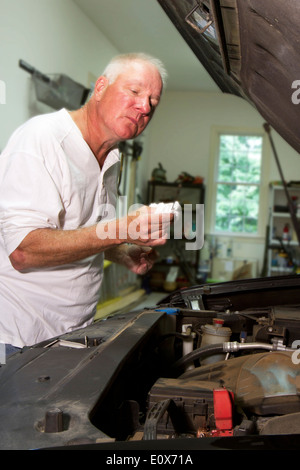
117 64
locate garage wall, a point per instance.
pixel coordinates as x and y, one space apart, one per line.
54 37
181 131
180 139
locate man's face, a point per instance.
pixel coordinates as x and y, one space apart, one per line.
126 106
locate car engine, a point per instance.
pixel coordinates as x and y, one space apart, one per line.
234 382
237 375
225 372
199 367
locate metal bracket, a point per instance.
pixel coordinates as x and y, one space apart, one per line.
212 13
206 16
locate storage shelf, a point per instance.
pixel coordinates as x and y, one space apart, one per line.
278 269
277 243
282 251
187 261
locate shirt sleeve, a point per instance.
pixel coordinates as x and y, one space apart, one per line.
29 198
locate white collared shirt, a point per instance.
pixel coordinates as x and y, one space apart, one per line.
49 178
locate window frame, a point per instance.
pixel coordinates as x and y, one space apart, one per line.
216 132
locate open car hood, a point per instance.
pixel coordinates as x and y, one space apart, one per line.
251 49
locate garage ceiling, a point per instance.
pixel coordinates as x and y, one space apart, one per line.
143 26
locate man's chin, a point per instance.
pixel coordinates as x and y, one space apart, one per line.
130 133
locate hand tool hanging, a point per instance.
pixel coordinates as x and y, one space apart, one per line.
135 155
289 200
57 90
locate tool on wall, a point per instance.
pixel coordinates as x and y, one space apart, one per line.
135 155
130 154
57 90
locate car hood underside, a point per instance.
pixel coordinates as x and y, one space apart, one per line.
251 49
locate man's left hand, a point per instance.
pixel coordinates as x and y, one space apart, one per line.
140 259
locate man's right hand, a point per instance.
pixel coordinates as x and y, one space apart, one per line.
143 227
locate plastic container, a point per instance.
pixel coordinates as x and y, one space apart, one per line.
215 333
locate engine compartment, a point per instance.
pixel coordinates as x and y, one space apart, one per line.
173 375
222 374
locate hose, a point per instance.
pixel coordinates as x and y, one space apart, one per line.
226 347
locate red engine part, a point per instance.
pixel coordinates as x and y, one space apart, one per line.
223 412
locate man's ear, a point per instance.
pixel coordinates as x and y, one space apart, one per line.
100 85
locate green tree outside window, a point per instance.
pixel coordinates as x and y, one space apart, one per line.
238 183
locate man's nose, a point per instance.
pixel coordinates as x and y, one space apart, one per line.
145 106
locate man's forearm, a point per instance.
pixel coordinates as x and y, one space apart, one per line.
52 247
49 247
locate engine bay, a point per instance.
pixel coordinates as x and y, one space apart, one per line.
227 374
173 374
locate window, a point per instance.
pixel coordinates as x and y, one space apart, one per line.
238 182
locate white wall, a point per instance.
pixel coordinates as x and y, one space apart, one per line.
180 139
181 131
53 36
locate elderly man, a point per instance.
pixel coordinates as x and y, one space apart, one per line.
58 177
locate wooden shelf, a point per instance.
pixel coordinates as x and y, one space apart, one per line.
278 219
